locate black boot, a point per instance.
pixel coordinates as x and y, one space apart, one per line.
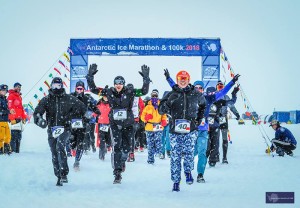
1 151
118 176
7 149
59 183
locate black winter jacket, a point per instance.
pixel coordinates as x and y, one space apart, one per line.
187 103
4 111
59 108
88 101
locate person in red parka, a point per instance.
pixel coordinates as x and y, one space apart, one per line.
17 116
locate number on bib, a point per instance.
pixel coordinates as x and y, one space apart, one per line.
182 126
120 114
77 124
104 127
57 131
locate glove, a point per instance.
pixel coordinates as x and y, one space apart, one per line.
42 123
238 117
235 90
88 114
267 151
104 91
167 74
13 122
93 69
148 117
145 71
12 111
24 121
235 78
164 123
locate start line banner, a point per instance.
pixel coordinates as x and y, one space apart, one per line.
146 46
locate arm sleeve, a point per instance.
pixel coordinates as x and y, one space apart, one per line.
224 91
92 86
93 106
141 105
171 82
163 108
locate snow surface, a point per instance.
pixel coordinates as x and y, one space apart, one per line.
27 179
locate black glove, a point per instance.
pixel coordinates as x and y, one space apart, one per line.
167 74
93 70
145 71
18 120
235 90
40 121
238 117
104 91
235 78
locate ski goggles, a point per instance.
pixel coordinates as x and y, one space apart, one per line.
184 78
199 88
79 89
119 82
56 86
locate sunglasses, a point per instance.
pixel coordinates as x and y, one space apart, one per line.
79 88
56 86
119 82
183 78
220 86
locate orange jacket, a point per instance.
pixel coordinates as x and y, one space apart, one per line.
15 103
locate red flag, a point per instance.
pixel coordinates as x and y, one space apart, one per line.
57 71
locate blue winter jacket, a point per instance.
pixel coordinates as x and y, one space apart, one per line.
283 134
210 99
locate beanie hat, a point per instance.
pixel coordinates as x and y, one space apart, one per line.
130 86
183 73
210 89
80 83
57 80
3 87
17 84
119 80
199 83
155 92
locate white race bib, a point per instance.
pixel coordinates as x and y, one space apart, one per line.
120 114
77 124
182 126
18 126
157 127
57 131
211 120
104 127
222 120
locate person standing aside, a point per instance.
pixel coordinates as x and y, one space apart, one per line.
5 135
17 117
183 103
121 118
59 108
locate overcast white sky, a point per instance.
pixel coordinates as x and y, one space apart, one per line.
260 38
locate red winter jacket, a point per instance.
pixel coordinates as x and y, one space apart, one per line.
104 109
15 102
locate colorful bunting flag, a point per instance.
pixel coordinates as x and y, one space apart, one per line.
70 51
61 63
31 106
57 71
67 57
65 83
47 84
35 96
51 75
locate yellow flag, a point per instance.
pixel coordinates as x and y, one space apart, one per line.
67 57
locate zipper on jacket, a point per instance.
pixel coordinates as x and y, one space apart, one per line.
56 114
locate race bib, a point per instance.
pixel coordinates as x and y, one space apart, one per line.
57 131
182 126
222 120
104 127
77 124
18 126
211 120
157 127
120 114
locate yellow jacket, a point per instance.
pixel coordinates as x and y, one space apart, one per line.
157 118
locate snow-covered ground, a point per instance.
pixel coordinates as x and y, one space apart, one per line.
27 179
